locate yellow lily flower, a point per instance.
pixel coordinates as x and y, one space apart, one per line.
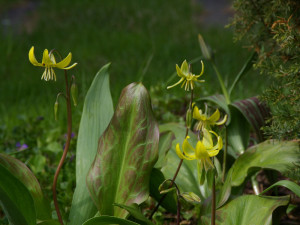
206 122
187 77
49 63
203 152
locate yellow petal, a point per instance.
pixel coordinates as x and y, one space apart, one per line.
179 73
32 58
201 152
202 71
188 149
65 62
214 117
197 114
184 68
70 67
213 153
207 139
46 61
176 83
180 155
222 121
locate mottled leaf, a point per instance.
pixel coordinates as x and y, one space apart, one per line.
271 154
97 112
23 174
16 200
127 152
255 113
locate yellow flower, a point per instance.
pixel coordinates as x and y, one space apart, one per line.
186 76
205 122
203 151
49 62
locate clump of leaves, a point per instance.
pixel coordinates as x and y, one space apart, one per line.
272 29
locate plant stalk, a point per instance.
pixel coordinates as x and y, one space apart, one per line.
177 170
225 155
213 201
67 145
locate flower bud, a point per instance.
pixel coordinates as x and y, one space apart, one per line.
74 93
55 110
205 50
189 118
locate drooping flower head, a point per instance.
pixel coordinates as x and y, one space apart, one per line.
204 150
49 63
186 77
205 121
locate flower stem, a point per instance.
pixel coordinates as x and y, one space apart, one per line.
225 155
177 170
213 201
69 131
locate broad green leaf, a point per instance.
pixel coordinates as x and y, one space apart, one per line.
97 112
127 152
248 209
135 211
238 132
255 113
285 183
165 144
15 199
246 67
108 220
277 155
24 175
156 178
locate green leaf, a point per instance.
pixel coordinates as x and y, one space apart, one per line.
255 113
24 175
271 154
285 183
97 112
248 209
135 211
16 200
238 136
127 152
165 144
246 67
108 220
169 203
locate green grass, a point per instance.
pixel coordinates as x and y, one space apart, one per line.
125 33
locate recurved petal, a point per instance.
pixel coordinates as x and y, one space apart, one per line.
32 58
180 155
70 67
182 79
212 153
197 114
201 151
65 62
214 117
222 121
